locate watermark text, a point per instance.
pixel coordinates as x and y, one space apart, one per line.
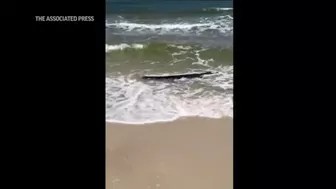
64 18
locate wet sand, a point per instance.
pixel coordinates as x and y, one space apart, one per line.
191 153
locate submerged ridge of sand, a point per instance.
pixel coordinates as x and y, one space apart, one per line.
193 153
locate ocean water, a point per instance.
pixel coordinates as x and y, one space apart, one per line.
157 37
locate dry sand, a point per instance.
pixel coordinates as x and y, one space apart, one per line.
193 153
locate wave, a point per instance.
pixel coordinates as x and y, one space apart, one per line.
129 100
158 46
155 51
156 26
219 24
217 9
122 46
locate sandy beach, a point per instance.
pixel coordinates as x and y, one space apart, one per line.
191 153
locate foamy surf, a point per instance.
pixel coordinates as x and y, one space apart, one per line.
223 24
133 101
109 48
217 9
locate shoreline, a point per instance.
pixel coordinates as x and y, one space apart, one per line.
165 121
188 153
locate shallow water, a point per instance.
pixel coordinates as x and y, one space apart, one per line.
168 37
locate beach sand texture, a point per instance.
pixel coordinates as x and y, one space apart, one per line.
190 153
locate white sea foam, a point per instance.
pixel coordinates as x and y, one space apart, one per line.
132 101
182 47
218 9
109 48
223 24
163 27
